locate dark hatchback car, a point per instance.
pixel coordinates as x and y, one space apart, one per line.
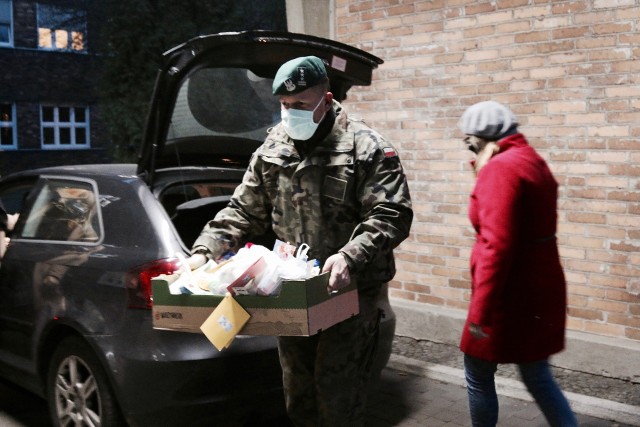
75 295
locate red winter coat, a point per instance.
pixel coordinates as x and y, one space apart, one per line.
518 286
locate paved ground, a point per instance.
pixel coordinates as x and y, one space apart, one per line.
423 385
410 400
571 381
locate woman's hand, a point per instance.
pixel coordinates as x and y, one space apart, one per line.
477 332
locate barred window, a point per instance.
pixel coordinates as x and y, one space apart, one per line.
64 127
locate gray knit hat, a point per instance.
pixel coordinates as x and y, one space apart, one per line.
488 120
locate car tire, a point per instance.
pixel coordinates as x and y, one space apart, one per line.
78 391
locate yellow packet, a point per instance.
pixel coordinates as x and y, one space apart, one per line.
226 321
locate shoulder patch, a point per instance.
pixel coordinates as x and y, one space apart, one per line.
389 152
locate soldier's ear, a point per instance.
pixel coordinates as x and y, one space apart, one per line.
328 99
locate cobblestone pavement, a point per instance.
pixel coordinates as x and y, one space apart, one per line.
612 389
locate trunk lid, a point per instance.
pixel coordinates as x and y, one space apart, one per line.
212 101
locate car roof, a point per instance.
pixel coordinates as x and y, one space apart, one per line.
115 169
260 51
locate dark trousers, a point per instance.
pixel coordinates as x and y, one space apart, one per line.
325 376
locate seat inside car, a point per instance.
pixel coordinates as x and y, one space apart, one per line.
176 196
190 217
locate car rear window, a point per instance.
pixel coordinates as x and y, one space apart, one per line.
225 102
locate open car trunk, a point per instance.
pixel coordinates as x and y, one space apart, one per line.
212 101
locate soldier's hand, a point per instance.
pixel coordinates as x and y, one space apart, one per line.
196 260
339 269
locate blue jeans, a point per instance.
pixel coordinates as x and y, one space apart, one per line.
537 377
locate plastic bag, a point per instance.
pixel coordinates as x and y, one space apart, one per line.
254 270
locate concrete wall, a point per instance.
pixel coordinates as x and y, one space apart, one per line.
610 357
313 17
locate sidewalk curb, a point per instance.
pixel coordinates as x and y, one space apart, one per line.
582 404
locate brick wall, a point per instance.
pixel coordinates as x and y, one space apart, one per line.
570 71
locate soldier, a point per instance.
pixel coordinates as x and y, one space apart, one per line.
330 181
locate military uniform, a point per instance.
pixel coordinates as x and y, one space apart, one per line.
349 195
340 188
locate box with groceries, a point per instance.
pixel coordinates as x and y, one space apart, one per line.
281 296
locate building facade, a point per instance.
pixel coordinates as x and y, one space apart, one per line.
570 70
48 90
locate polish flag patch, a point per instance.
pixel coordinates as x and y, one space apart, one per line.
389 152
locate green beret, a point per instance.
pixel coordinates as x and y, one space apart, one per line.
298 74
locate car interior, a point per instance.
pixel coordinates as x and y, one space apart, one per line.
191 207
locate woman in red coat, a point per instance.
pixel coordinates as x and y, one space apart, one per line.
518 301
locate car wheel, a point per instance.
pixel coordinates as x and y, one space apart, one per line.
78 391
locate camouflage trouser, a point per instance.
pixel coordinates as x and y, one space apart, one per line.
325 375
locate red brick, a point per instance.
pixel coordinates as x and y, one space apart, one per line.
624 246
618 295
572 7
476 8
632 333
507 4
570 33
583 313
624 27
587 217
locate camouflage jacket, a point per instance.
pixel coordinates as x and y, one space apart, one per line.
348 195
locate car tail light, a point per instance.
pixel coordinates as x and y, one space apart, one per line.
138 280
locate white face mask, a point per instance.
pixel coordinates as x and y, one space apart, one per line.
299 124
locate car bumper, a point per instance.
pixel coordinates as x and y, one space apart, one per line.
173 377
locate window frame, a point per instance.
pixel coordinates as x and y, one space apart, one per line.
46 9
13 124
72 125
8 43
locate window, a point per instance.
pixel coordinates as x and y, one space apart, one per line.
198 114
63 211
6 23
64 127
61 28
8 133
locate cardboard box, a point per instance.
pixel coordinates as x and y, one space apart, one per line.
302 308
